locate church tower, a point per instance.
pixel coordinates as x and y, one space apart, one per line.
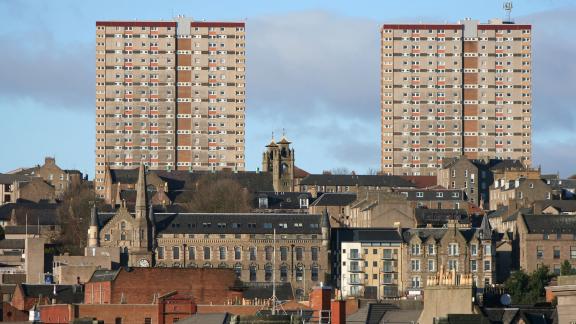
141 252
278 159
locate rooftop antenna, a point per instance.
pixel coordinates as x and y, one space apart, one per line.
508 8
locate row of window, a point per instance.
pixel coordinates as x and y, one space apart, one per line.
452 265
453 249
556 253
298 253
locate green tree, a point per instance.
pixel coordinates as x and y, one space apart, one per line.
528 288
566 269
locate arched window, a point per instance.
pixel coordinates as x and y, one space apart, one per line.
222 252
238 269
237 253
123 236
206 253
253 269
252 252
268 251
314 272
283 272
122 226
268 272
299 272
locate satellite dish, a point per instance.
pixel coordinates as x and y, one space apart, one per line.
505 299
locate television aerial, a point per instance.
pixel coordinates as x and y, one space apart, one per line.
508 8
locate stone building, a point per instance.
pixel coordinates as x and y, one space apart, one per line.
352 183
518 193
462 249
243 242
375 208
278 159
545 240
54 175
468 175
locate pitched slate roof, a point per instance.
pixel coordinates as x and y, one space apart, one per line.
440 217
263 290
437 233
10 178
104 275
562 183
44 213
505 164
367 234
232 223
550 224
282 200
422 181
433 194
564 206
335 199
65 294
17 244
184 180
353 180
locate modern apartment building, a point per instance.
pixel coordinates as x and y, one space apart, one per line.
169 94
454 89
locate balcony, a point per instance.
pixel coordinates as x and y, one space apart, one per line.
356 268
390 256
355 281
355 256
388 269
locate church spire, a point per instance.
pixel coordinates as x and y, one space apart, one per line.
140 208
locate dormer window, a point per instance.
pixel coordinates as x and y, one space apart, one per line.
303 202
263 202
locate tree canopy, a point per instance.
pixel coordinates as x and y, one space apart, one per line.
528 288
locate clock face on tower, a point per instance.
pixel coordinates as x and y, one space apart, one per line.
144 263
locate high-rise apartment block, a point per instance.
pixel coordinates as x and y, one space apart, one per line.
169 94
454 89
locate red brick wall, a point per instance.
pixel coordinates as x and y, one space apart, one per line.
128 313
97 292
320 300
12 314
51 314
232 309
205 285
338 312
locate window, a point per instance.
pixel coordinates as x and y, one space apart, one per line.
147 320
222 252
556 252
453 249
118 320
453 264
176 252
388 266
268 272
573 252
314 252
474 249
473 265
487 249
415 249
387 254
206 253
252 272
431 265
237 253
299 253
431 249
192 253
268 251
487 265
314 273
283 273
415 265
283 253
354 254
238 270
252 252
160 252
299 272
415 282
545 236
556 269
539 252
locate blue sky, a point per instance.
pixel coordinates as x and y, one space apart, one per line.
312 69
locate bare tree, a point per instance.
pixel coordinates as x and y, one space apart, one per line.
341 171
74 215
215 194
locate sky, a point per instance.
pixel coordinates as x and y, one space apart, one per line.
312 69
